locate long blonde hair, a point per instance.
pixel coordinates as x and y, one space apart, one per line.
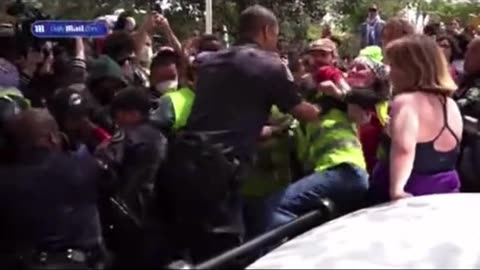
423 62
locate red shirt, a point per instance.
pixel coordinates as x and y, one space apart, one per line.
101 135
370 135
328 73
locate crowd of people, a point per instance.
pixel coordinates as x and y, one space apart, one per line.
118 153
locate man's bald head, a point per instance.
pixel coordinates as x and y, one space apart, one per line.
35 127
256 22
472 57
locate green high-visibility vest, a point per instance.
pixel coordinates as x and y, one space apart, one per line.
331 141
182 101
271 171
14 95
382 112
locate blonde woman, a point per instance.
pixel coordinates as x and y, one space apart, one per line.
425 126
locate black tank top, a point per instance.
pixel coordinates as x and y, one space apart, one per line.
427 159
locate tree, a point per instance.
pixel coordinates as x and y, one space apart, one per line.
295 15
447 10
354 12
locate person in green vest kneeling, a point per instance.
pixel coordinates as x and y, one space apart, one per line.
331 151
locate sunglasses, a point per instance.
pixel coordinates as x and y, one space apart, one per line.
372 10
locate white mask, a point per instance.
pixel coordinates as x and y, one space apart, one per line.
163 87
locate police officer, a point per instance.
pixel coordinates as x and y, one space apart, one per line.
235 91
134 155
48 201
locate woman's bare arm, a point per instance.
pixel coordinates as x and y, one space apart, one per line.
404 129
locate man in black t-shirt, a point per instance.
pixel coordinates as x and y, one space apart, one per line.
235 91
237 86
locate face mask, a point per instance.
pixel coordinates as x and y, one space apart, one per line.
165 86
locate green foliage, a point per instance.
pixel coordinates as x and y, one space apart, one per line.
354 12
300 19
186 16
446 10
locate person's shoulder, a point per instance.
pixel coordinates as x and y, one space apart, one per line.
204 57
404 101
405 97
260 61
143 133
254 52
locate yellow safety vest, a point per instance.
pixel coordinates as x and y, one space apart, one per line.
382 112
8 93
271 171
331 141
182 101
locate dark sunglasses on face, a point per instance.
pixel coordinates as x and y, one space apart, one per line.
372 10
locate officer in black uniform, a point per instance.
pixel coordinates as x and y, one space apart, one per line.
235 91
48 201
134 157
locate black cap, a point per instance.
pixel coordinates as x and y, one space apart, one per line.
68 103
132 99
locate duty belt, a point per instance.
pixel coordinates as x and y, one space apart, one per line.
44 257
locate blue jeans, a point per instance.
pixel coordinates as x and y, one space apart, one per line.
346 185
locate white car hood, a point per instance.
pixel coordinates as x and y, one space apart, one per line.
431 232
